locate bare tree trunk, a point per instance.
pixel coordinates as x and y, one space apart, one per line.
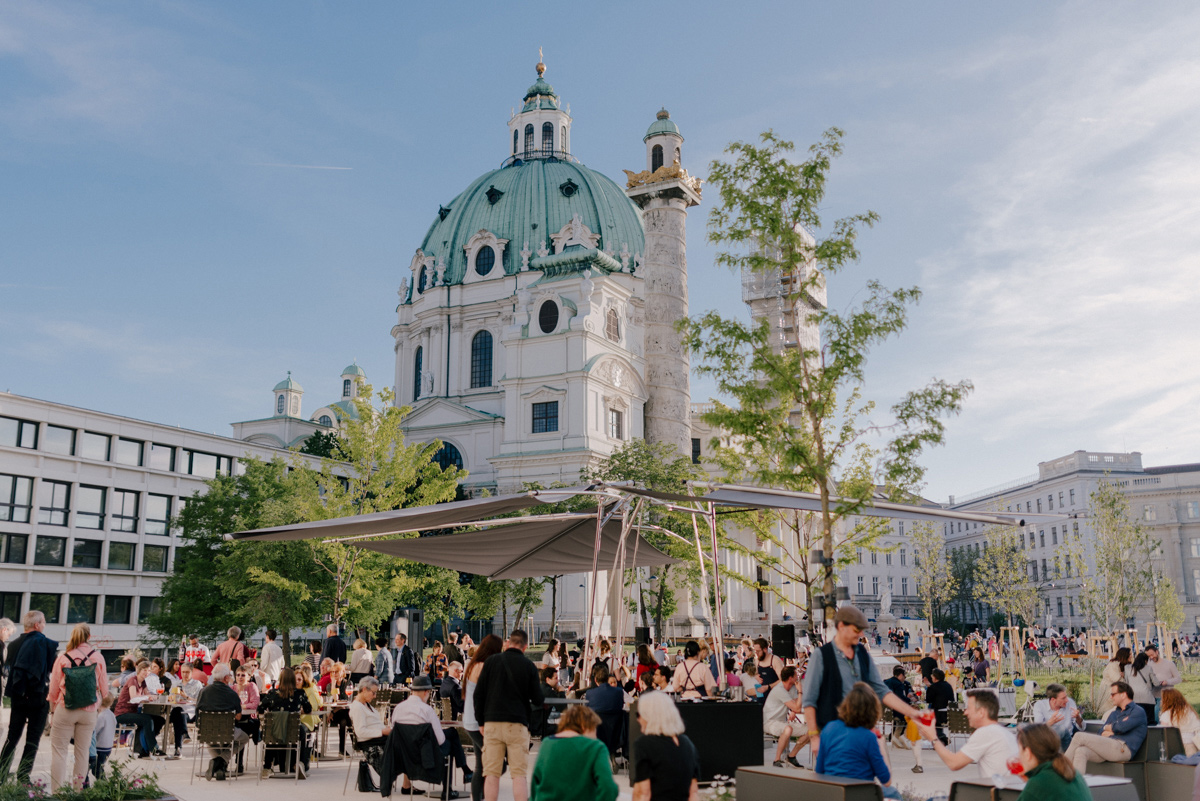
287 648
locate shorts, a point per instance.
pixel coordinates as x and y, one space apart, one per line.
503 738
775 727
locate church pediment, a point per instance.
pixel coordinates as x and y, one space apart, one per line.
442 412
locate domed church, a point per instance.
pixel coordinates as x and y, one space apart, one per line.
534 334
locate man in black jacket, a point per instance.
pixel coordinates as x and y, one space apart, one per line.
334 647
404 659
507 689
30 660
218 696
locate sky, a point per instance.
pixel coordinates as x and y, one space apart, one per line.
196 198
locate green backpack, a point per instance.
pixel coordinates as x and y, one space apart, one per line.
79 683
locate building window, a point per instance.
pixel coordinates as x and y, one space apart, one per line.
82 608
206 465
154 558
279 404
422 280
86 553
1060 505
1050 502
860 585
515 134
548 317
448 456
485 260
95 446
1054 535
874 557
1039 504
59 440
12 549
16 494
162 457
695 450
547 138
1045 571
1075 530
18 433
887 558
481 359
325 421
47 603
50 551
1042 539
1148 513
125 511
1067 565
858 554
612 326
904 586
89 507
56 503
875 585
656 157
148 607
903 557
129 451
528 140
158 514
616 424
545 417
10 605
1193 509
1071 606
418 359
1072 497
120 555
117 608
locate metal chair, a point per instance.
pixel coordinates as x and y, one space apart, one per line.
289 743
957 725
213 729
359 758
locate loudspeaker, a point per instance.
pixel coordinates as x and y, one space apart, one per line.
411 623
641 634
783 640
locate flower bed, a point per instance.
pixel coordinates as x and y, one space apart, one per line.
120 783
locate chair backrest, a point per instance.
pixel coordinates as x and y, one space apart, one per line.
271 728
956 721
447 709
383 698
415 739
214 728
610 730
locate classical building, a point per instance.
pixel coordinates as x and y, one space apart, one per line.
286 427
1165 499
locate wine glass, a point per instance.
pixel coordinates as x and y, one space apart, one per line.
1014 766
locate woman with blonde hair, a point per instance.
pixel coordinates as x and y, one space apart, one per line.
1050 776
574 765
1177 712
304 680
362 662
665 765
74 707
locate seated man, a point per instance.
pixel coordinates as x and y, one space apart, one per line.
990 745
451 689
218 696
1123 734
939 695
415 710
370 731
782 707
1058 711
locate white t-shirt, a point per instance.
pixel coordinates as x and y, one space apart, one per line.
990 747
775 708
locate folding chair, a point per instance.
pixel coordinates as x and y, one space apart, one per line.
289 743
213 729
957 725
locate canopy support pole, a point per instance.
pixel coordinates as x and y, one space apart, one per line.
720 652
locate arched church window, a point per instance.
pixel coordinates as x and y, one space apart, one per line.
422 280
279 405
481 360
346 388
656 157
417 359
485 259
325 421
612 326
547 138
515 143
295 407
448 456
528 139
548 317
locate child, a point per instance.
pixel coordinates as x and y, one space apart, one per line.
849 747
102 735
754 688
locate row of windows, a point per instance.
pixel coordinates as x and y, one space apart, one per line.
1041 536
94 508
85 553
116 609
547 139
107 448
875 585
887 555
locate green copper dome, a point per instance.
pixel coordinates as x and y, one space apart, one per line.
354 369
526 202
288 383
540 95
662 125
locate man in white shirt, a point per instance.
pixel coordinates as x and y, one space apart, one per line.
990 746
1058 711
1168 675
782 706
271 658
416 710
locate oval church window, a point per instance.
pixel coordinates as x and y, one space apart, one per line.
485 260
548 317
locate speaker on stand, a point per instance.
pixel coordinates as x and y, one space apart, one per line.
783 640
641 634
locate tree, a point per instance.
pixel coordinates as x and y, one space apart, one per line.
1167 609
796 411
1115 575
1002 580
963 568
936 582
321 443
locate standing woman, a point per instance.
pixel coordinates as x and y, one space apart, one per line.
313 657
361 663
692 678
573 765
1114 671
437 663
645 662
551 660
665 765
1140 676
74 708
488 647
980 666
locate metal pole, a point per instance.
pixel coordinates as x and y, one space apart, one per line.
720 652
587 643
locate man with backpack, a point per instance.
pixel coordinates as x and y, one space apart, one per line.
30 659
507 689
78 681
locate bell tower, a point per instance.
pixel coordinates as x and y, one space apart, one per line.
664 192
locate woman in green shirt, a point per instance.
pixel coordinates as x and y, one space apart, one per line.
573 765
1050 775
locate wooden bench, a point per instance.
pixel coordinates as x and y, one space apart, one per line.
1103 788
773 784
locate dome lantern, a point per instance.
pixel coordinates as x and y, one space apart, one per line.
541 130
663 141
287 397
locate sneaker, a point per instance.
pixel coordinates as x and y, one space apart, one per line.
411 791
467 776
267 773
795 762
918 769
175 755
779 763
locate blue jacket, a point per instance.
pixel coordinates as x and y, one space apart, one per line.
852 753
1129 726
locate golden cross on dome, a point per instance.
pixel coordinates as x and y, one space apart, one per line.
541 68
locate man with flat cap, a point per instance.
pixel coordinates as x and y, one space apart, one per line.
835 667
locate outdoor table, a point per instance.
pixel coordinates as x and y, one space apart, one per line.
325 714
1103 788
167 702
727 734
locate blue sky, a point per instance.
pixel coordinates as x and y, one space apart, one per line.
196 198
